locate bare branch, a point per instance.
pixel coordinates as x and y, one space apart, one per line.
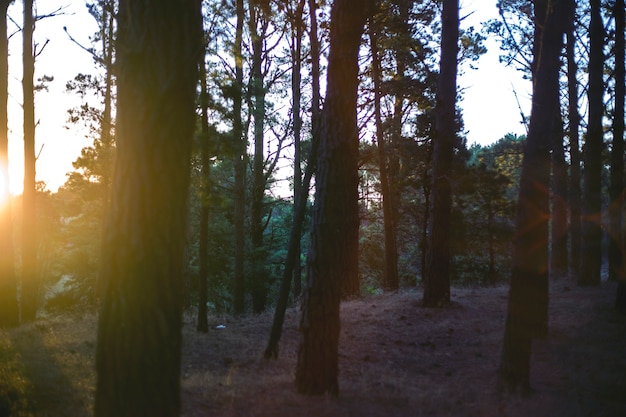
91 51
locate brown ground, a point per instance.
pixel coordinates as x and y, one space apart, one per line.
397 359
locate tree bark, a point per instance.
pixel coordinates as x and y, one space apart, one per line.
333 250
616 188
559 215
259 285
528 295
437 282
139 330
29 216
591 265
575 202
9 310
296 93
618 268
241 144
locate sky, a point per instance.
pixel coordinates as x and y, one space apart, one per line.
56 146
490 109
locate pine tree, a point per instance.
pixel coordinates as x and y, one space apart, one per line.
437 280
29 230
139 331
333 249
591 265
9 313
528 295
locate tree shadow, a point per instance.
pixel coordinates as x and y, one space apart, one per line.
61 384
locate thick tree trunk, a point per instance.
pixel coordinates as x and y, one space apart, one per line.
591 266
241 144
528 296
390 272
29 214
575 202
9 311
333 251
437 282
139 330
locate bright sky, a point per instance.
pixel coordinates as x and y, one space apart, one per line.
62 59
490 109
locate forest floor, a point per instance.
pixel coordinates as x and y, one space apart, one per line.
396 359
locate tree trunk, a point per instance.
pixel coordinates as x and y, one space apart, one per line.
528 295
9 311
29 216
391 203
426 188
390 272
296 93
259 286
139 330
616 189
437 282
239 215
559 214
618 268
591 266
293 251
333 250
574 147
205 188
491 278
107 152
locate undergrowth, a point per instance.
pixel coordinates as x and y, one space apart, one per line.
15 389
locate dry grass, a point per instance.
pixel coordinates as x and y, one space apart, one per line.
396 359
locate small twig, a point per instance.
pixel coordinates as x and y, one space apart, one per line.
91 52
40 150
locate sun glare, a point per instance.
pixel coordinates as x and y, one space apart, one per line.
3 191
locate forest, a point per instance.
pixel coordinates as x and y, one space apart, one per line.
279 214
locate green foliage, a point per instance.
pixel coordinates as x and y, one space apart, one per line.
485 183
278 221
514 32
76 260
485 204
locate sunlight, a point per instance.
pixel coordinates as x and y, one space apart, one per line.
2 188
14 185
